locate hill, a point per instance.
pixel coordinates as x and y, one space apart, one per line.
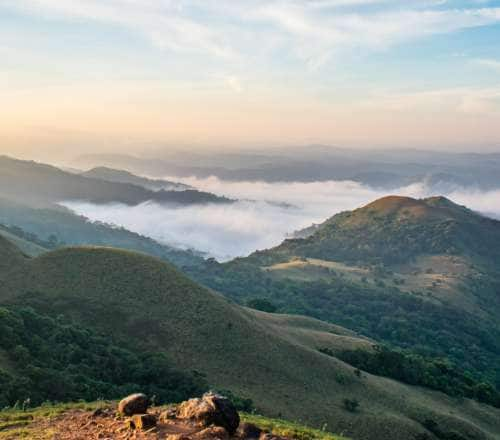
420 275
122 176
22 243
273 360
40 184
396 230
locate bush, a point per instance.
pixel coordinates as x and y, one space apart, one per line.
351 405
262 304
240 403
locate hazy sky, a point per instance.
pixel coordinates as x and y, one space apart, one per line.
84 75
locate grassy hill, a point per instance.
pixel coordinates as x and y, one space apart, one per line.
395 230
420 275
273 360
36 183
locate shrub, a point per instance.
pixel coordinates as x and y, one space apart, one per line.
350 405
262 304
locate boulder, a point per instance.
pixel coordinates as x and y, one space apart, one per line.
211 409
142 422
134 404
248 430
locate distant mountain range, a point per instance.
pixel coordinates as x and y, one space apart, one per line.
381 169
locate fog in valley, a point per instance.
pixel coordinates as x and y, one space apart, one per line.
264 214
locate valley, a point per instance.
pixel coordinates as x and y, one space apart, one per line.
378 321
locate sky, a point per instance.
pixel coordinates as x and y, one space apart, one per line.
82 76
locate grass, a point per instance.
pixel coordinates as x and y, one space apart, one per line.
437 276
21 424
288 429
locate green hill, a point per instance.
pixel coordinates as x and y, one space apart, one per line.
396 230
273 360
420 275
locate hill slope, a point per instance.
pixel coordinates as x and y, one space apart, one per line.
417 274
26 246
395 230
35 183
272 360
10 255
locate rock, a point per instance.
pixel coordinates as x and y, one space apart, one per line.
248 430
211 409
134 404
142 422
97 412
213 432
168 414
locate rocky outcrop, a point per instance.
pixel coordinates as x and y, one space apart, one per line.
211 409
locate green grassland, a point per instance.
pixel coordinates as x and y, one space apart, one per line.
272 360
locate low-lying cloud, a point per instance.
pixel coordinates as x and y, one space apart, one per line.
264 215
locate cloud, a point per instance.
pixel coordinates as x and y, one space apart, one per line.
164 22
259 220
311 30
